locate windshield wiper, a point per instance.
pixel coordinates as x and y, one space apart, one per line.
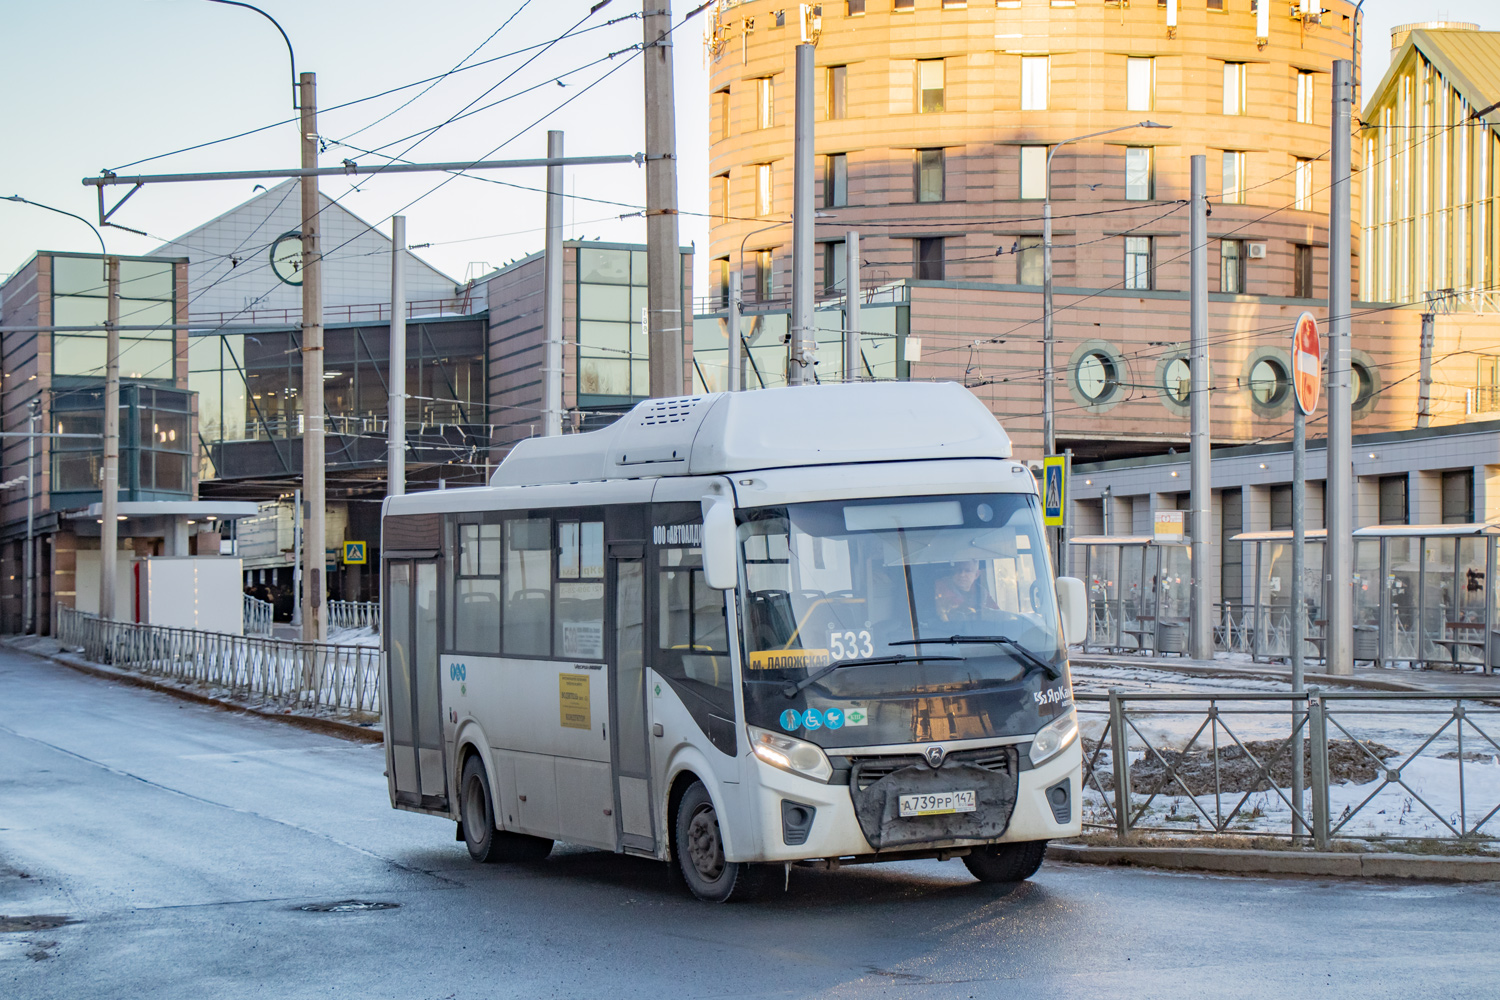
1037 663
792 688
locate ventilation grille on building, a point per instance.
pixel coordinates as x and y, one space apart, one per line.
670 411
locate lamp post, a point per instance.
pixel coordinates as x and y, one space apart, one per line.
734 334
1049 435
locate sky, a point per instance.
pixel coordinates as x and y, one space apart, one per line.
98 84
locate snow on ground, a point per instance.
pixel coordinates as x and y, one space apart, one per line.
354 637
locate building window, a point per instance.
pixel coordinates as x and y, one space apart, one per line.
836 180
147 298
854 8
904 5
1363 384
1029 260
1303 174
1393 500
721 197
778 18
764 191
765 102
1281 507
1304 97
1138 263
612 354
1234 88
763 276
955 4
930 258
1458 496
1487 384
721 277
1216 5
1231 554
1034 73
1097 376
1177 381
721 115
930 86
1269 382
834 261
1034 172
1233 189
1302 271
836 90
929 175
1232 267
1140 84
1139 181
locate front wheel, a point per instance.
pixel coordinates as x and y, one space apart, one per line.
485 843
699 849
1006 862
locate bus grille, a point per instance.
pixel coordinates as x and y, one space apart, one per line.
999 760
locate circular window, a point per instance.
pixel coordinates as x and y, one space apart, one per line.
1177 380
1269 383
1363 383
1097 377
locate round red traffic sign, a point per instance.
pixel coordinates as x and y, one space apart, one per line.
1307 363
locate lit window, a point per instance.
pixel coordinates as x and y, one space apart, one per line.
1034 172
1304 97
1140 84
765 103
763 276
1138 263
1029 260
1303 174
929 175
1034 83
763 189
835 180
1234 88
1233 188
1138 174
930 89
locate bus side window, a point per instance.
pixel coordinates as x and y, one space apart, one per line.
580 590
527 614
476 599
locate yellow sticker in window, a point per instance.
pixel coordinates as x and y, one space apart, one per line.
573 701
789 659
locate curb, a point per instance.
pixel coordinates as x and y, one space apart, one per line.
1252 862
327 727
1204 670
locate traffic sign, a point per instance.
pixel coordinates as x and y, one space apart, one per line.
354 554
1054 490
1307 363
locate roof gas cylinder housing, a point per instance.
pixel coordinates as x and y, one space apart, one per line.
765 429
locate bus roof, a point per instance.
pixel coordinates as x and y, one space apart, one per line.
764 429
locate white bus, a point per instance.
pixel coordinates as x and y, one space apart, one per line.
737 632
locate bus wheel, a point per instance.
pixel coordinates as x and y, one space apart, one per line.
700 852
1006 862
485 843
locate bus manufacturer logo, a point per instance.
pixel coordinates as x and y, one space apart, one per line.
935 756
458 672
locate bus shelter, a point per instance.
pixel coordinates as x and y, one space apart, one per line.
1266 624
1138 592
1425 595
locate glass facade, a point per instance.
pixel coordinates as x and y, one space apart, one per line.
156 445
147 297
612 354
763 336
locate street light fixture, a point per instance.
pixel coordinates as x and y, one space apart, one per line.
734 306
1049 435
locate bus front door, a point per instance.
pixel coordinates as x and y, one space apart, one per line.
413 710
630 749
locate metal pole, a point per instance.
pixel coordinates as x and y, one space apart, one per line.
552 298
314 628
27 615
109 486
1338 564
1120 759
1424 376
853 356
1049 433
736 308
1299 599
297 558
395 426
352 170
802 343
1201 637
663 258
1318 724
1064 557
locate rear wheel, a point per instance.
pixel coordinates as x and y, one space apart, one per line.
485 843
1006 862
699 849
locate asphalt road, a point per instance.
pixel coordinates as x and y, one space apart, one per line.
186 844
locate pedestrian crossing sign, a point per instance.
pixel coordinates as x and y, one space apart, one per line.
1054 490
354 554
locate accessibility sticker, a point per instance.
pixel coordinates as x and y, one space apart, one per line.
833 718
812 719
791 720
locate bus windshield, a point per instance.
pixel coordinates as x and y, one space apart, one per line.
900 620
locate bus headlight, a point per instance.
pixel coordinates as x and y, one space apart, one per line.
1055 737
790 754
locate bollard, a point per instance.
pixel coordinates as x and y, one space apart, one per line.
1119 756
1318 724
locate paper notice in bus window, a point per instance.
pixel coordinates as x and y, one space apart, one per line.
583 640
789 659
573 701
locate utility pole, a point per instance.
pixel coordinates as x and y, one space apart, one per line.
297 558
1299 605
802 340
395 420
552 294
314 626
109 486
663 258
1338 567
28 612
852 354
734 375
1049 431
1201 636
1424 376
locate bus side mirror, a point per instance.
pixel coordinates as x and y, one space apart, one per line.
1073 608
720 569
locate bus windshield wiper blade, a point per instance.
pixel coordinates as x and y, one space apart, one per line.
791 688
1036 662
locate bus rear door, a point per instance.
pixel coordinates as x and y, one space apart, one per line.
413 713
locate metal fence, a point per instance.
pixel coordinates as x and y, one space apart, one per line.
1377 765
317 678
257 616
354 614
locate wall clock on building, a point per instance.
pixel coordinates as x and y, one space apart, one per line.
286 257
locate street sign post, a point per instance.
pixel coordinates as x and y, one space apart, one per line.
1307 377
1054 490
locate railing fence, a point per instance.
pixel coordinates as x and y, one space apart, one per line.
257 616
354 614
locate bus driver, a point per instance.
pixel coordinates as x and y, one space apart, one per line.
958 596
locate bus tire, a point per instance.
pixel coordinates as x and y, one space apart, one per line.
486 844
1006 862
699 850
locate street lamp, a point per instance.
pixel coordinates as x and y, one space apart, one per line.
1049 436
735 305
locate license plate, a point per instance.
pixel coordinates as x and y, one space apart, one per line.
937 804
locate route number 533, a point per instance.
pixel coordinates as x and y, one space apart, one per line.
849 645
